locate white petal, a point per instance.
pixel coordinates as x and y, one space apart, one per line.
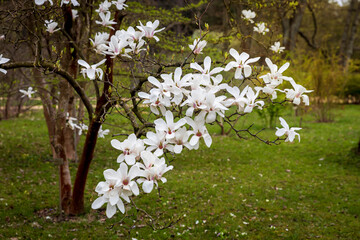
148 186
110 210
98 203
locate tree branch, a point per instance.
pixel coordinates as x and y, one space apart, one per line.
53 68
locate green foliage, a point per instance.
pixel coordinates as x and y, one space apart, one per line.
304 190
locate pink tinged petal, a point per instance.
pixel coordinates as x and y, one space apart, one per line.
211 117
297 101
196 66
130 159
280 132
207 139
252 60
178 149
238 73
247 71
134 188
291 136
306 100
154 110
114 199
110 174
243 57
123 170
248 109
284 123
159 152
91 73
154 81
110 210
216 70
194 140
116 144
284 67
148 186
234 53
83 63
134 172
120 158
169 118
180 123
207 63
121 206
98 203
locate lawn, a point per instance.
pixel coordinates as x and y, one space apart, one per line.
237 189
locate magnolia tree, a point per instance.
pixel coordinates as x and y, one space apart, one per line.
169 109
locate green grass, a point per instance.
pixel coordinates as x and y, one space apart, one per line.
304 190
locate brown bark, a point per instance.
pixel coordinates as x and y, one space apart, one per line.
102 106
349 34
291 25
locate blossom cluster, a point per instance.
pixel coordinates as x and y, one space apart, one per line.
200 95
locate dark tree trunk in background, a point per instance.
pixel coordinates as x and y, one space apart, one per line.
291 25
349 34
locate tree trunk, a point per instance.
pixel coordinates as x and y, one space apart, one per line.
349 34
102 106
59 143
292 25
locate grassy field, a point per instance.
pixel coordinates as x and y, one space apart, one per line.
237 189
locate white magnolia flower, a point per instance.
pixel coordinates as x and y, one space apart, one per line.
27 92
214 105
105 20
41 2
261 28
297 93
149 29
135 48
289 132
181 139
104 7
168 126
156 101
82 127
93 70
50 26
74 13
73 2
116 47
239 99
118 185
154 169
198 46
100 41
275 76
102 133
158 142
242 62
177 84
130 147
276 47
132 34
120 4
248 15
195 100
71 121
2 61
206 73
251 103
199 131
